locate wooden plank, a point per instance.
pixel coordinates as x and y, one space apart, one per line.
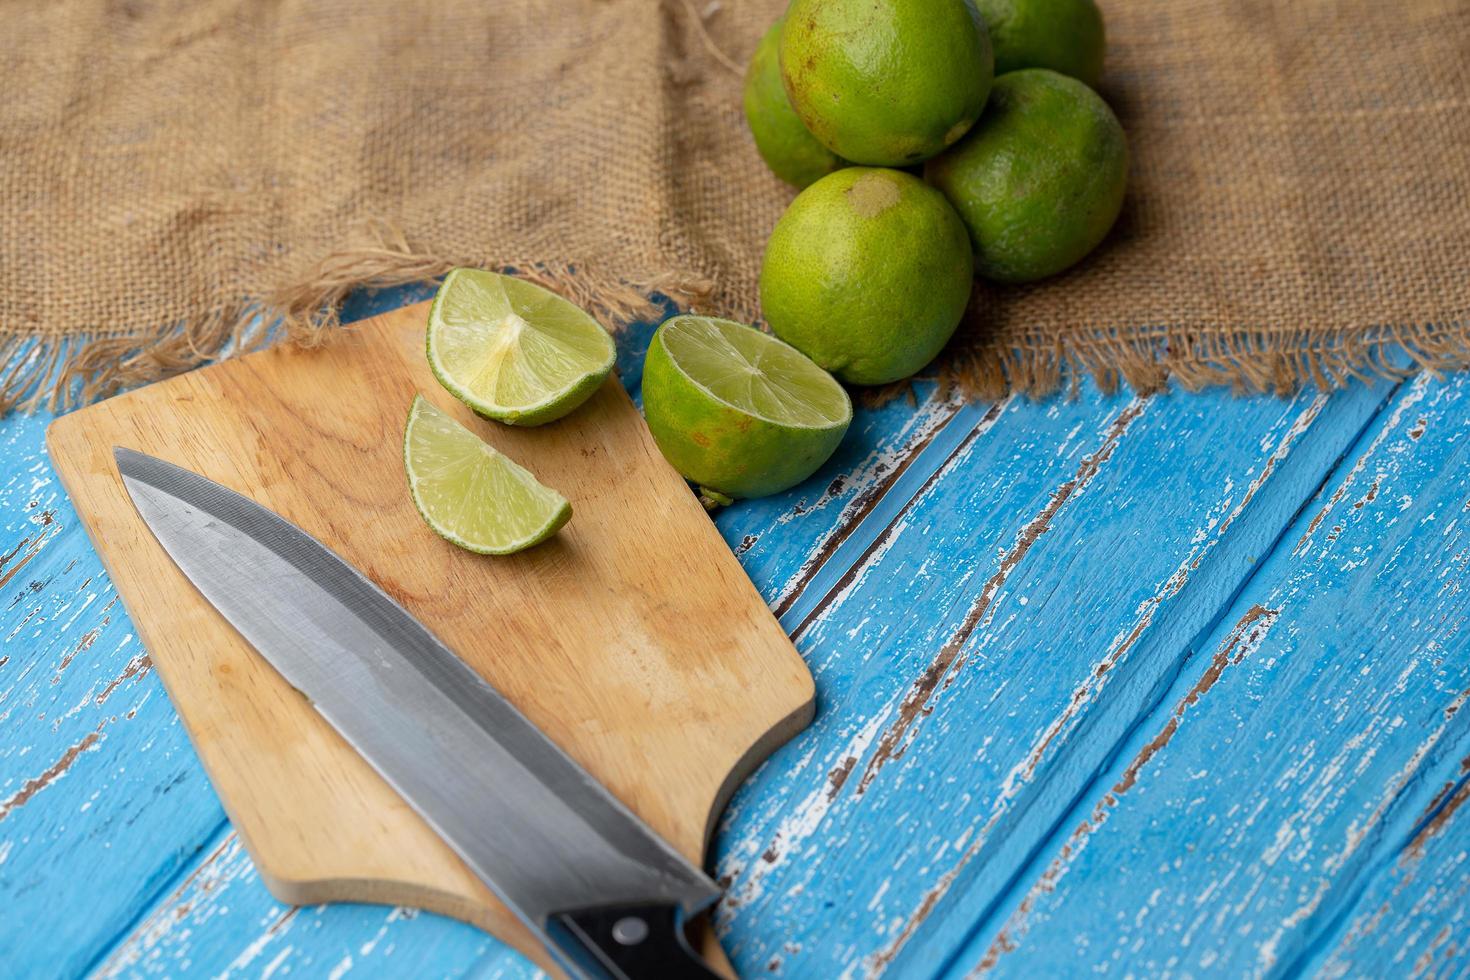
989 652
1312 740
1412 917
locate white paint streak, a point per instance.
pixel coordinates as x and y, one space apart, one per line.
275 964
800 824
1416 392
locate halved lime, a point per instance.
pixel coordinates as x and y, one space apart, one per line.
738 411
513 351
469 493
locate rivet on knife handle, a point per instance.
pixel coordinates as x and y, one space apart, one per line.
629 942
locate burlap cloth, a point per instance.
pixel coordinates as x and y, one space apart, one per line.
174 173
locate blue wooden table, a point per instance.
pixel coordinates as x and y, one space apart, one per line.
1166 685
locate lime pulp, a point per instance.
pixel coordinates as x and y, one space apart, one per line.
513 351
469 493
756 373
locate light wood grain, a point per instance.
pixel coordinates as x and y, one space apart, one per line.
633 638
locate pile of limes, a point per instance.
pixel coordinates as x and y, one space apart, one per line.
933 140
1023 164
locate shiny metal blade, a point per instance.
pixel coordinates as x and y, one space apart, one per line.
529 821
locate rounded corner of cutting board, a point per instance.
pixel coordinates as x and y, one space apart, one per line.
59 433
292 889
759 750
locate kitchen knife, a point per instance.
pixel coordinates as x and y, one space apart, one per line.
605 894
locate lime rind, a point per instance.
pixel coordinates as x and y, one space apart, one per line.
755 373
471 494
513 351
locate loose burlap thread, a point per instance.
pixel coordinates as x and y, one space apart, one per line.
179 175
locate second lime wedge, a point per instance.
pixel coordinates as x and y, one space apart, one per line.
469 493
513 351
738 411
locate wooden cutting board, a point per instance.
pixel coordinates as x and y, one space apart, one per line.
633 638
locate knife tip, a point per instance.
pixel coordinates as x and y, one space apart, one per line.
131 463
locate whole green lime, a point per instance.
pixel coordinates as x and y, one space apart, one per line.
737 411
886 82
1064 35
867 273
784 142
1040 179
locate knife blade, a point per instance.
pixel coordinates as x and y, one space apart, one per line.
605 894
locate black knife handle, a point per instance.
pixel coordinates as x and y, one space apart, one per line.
629 942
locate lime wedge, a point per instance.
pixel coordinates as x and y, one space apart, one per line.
513 351
470 494
738 411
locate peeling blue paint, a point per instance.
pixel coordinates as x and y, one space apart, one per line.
1162 685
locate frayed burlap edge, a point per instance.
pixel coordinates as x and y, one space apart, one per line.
310 308
61 373
1263 362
